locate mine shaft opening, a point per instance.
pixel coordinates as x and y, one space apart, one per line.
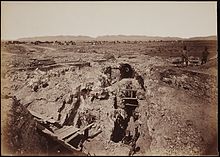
126 71
119 132
130 110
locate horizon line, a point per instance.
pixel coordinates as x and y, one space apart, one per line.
94 37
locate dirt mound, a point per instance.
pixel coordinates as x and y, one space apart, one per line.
198 84
20 132
109 56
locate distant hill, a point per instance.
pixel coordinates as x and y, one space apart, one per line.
58 38
112 38
134 38
204 38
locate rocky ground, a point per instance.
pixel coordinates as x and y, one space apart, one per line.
178 112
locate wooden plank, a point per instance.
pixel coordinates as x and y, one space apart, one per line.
54 137
73 136
79 132
58 131
129 90
95 134
129 98
130 104
67 132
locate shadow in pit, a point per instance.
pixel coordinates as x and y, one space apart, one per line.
120 125
56 149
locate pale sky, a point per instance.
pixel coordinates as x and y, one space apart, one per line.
175 19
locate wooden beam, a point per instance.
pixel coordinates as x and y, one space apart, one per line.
130 104
58 131
128 98
79 132
67 132
62 142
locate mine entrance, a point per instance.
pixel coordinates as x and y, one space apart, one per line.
118 132
126 71
121 125
130 103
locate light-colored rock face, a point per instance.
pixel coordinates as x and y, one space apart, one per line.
177 112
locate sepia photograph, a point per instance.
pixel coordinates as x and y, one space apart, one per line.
107 78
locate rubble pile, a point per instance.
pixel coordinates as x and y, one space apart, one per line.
72 103
195 83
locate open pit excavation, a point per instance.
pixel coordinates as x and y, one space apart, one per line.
108 98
